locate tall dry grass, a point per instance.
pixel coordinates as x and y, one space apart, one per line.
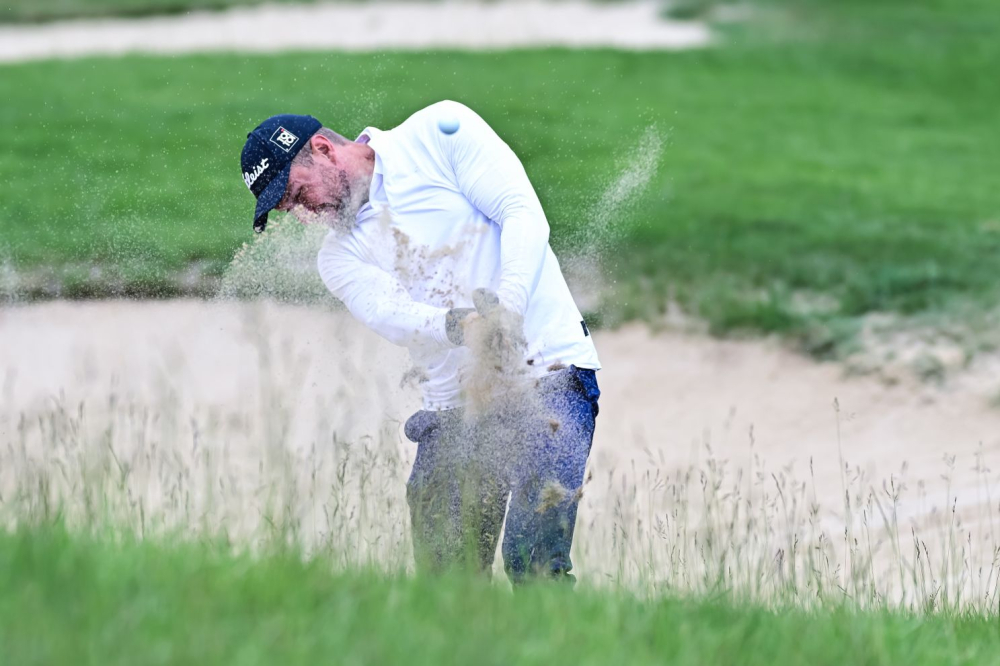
255 476
715 529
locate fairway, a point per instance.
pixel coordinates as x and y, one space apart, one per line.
806 180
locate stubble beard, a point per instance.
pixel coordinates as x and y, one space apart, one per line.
341 215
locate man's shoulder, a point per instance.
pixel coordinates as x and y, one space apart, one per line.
431 116
449 106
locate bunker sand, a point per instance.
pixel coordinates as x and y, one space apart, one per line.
476 26
212 414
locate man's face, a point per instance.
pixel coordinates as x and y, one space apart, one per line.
322 190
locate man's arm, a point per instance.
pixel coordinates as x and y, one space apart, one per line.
491 176
378 300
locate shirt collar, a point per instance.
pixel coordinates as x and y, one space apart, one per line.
375 189
372 136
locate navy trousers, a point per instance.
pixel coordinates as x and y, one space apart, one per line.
465 471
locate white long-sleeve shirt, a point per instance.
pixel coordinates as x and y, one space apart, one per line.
448 214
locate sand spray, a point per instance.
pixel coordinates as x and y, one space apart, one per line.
499 386
597 232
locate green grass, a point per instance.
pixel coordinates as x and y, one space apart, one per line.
833 159
83 600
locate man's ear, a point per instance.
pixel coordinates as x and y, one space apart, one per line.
322 146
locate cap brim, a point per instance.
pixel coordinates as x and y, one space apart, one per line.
270 198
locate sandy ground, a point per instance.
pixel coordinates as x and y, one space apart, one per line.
668 392
672 402
363 27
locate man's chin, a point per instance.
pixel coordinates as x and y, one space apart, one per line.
343 217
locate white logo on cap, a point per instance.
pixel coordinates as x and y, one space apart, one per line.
251 177
284 139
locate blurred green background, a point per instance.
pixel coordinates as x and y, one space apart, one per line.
824 161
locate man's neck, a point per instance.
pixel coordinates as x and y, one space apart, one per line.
363 162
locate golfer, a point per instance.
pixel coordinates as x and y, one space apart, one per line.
428 221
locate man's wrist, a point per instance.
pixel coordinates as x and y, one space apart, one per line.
453 325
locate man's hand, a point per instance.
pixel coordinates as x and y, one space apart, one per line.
459 320
486 301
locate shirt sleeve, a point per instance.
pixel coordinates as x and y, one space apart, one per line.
377 299
491 176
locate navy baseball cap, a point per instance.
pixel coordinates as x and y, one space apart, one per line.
267 159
